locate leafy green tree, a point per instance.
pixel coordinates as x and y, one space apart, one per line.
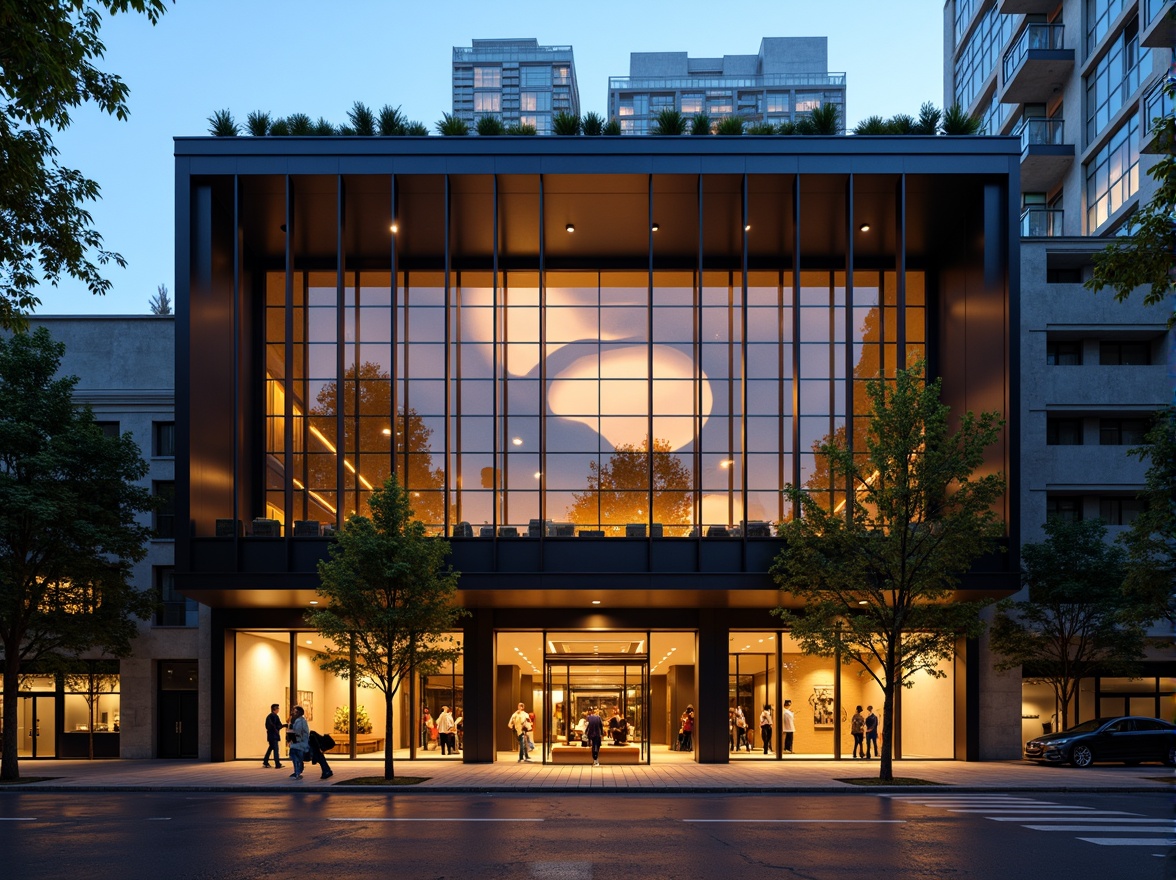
47 55
612 128
521 128
902 123
700 125
69 535
618 490
416 129
1147 256
222 124
452 126
929 119
392 122
1151 540
1078 619
669 122
957 121
761 128
593 124
786 126
257 123
363 120
876 575
300 124
391 594
489 126
279 128
565 124
323 128
161 303
872 125
823 120
730 126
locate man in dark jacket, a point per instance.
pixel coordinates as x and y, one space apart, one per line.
595 732
273 737
317 756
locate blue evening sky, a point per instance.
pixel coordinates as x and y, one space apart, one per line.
319 56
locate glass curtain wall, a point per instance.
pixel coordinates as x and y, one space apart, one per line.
563 356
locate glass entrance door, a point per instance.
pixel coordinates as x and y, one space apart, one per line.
37 727
617 689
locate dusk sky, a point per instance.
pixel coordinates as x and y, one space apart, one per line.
287 56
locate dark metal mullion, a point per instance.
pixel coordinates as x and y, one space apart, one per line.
237 377
542 369
394 335
698 281
730 400
849 395
650 470
743 383
447 337
498 448
900 317
288 379
780 446
796 340
341 360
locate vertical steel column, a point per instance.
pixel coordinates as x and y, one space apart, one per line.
542 369
743 386
341 363
796 267
288 379
849 389
900 271
353 696
237 371
651 471
497 366
837 701
446 434
394 335
698 390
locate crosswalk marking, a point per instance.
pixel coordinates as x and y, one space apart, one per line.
1098 818
1167 829
1128 841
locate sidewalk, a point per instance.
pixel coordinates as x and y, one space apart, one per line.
671 774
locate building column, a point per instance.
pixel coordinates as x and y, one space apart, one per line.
479 725
711 739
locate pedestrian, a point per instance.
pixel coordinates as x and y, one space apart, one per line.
765 722
581 729
616 727
428 729
459 730
595 733
530 732
741 729
273 737
871 733
519 722
318 756
445 735
857 728
299 739
788 725
688 729
731 735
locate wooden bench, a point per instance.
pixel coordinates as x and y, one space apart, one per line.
364 743
562 754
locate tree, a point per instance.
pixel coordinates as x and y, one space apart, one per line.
521 128
618 491
593 124
565 124
69 535
612 128
257 123
391 594
877 572
1151 540
824 119
669 122
392 121
490 126
363 120
730 126
957 121
1147 256
222 124
1078 619
47 55
452 126
95 679
700 125
161 302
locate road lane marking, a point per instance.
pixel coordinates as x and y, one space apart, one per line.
804 821
1100 818
1167 829
1027 812
395 819
18 819
159 818
1127 841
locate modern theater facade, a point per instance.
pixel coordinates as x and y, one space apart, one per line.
594 363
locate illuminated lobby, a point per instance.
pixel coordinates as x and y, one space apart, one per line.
595 363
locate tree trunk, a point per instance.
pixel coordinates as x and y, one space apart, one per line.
886 762
9 767
91 699
389 769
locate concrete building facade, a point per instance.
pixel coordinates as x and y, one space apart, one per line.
516 81
786 80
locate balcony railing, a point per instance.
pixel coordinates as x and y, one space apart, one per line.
1041 222
1035 36
1158 103
1151 8
1040 132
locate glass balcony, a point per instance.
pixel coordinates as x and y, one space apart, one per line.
1045 156
1041 222
1159 104
1036 64
1038 132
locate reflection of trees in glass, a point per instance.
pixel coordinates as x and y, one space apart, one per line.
618 490
367 442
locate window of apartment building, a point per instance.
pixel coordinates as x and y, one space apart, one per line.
719 104
535 102
1100 15
561 75
109 429
1114 79
165 513
174 609
1112 177
777 102
658 103
1063 354
487 77
487 102
535 76
691 103
979 56
1116 354
1121 432
1116 510
751 102
964 10
1063 432
163 439
1067 508
807 102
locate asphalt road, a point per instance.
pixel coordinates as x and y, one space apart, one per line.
580 836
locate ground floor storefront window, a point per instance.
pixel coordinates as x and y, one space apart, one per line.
70 715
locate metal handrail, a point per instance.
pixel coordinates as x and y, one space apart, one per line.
1036 132
723 81
1034 36
1042 222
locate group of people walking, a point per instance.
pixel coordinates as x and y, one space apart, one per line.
444 732
299 737
741 730
864 728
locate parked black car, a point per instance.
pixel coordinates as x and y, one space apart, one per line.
1130 739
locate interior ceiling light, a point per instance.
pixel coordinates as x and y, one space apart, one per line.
387 432
655 227
395 227
308 641
516 441
747 227
863 602
314 601
865 227
595 601
571 227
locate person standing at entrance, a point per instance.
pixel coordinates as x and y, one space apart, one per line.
857 728
595 733
766 727
299 741
428 728
445 731
519 722
688 729
741 729
273 737
871 733
788 725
